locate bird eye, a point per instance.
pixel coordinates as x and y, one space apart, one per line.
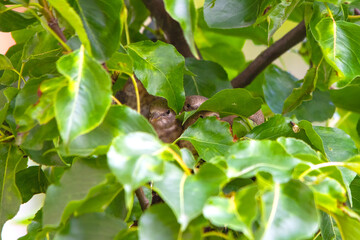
188 105
201 116
168 112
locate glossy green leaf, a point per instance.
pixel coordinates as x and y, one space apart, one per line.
209 136
288 212
91 226
184 12
237 213
320 108
83 103
160 68
135 159
119 120
31 181
97 23
277 87
246 158
27 97
230 13
11 20
337 39
209 78
63 198
278 14
47 155
338 147
345 98
6 95
120 62
232 102
303 93
41 45
158 222
10 197
186 195
349 225
5 63
355 193
278 126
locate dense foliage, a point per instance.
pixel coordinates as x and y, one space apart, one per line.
62 133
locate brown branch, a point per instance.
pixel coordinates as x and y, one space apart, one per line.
144 202
173 32
292 38
51 20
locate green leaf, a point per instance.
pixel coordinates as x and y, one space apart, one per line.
10 197
278 126
338 147
355 193
31 181
47 155
209 78
6 95
158 222
186 195
121 62
209 136
91 226
278 14
160 68
119 120
237 213
288 212
318 109
186 17
11 20
41 45
246 158
77 110
97 23
337 41
5 63
303 93
63 198
345 98
349 225
232 102
135 159
231 13
277 87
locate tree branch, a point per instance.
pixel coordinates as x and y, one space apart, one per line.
292 38
144 202
173 32
51 20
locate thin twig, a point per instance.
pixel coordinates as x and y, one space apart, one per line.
144 202
51 20
173 32
292 38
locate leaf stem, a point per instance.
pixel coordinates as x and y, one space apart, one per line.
217 234
116 100
354 16
136 92
179 160
344 118
20 75
320 165
329 11
6 138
